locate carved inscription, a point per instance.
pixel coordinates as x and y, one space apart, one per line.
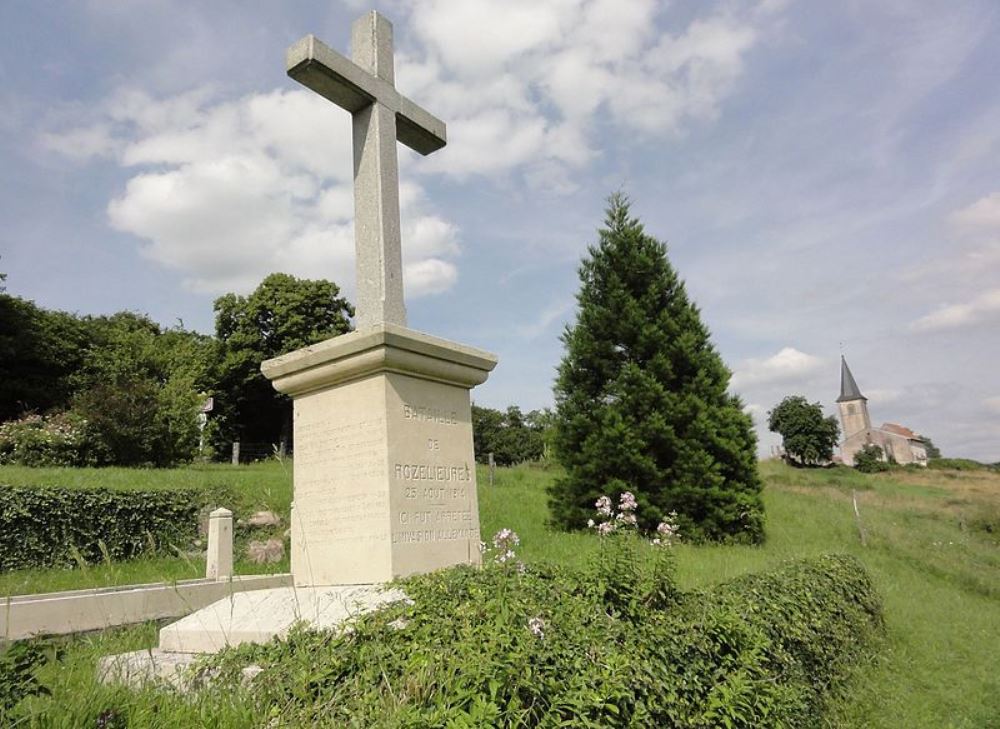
429 414
337 472
436 505
432 472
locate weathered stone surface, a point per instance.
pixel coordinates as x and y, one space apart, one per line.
264 519
257 617
364 87
219 557
384 475
148 666
75 611
266 552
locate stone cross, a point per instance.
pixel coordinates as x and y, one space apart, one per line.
381 115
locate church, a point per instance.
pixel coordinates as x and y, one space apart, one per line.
898 444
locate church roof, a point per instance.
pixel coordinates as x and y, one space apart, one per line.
900 430
848 387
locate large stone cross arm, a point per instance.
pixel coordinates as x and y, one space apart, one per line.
335 77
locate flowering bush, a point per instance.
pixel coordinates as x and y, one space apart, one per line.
667 531
63 439
504 648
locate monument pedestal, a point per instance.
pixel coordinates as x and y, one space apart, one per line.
384 475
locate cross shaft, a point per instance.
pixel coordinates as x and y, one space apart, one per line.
364 86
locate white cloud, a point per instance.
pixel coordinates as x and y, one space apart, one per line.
526 90
429 276
883 396
984 307
787 366
984 213
993 403
227 192
545 319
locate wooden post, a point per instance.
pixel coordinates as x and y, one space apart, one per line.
236 453
493 468
857 517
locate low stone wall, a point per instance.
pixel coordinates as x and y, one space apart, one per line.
57 613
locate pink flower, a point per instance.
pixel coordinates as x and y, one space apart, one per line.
627 503
603 506
537 627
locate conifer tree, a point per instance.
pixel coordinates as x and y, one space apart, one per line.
642 402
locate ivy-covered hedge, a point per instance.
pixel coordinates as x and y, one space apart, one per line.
47 527
612 645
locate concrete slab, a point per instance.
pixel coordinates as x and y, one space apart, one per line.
147 666
259 616
74 611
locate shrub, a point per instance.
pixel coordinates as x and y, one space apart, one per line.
142 422
870 459
45 527
62 439
642 401
19 663
513 646
958 464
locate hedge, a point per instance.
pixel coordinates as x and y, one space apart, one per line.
612 645
50 527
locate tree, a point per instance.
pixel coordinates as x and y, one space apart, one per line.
510 436
870 459
40 350
642 402
932 450
139 389
807 436
283 313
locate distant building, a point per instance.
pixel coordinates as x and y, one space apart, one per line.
898 443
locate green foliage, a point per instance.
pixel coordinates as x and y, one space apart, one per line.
807 436
61 439
511 436
959 464
39 352
642 402
282 314
19 663
45 527
139 389
870 459
932 450
549 647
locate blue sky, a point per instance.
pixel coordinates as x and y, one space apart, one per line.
826 176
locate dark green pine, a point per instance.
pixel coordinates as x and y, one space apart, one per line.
642 402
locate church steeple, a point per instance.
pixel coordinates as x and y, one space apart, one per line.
848 387
852 404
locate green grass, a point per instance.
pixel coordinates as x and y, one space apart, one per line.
938 572
253 487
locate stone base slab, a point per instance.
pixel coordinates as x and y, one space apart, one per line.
74 611
149 666
259 616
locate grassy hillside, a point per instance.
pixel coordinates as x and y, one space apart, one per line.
933 548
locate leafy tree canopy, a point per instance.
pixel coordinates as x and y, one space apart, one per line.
642 402
808 437
511 436
932 450
284 313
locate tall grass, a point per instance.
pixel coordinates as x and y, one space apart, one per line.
929 549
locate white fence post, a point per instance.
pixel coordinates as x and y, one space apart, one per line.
219 565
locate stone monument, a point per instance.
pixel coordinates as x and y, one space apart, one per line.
384 473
